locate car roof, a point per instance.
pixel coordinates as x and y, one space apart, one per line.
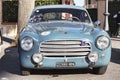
59 6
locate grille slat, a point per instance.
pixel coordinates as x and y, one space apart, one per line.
62 42
66 54
64 48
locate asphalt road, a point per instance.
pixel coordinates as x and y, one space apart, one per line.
9 70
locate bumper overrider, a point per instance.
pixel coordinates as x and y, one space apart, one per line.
63 54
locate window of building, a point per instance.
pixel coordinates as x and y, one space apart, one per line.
89 1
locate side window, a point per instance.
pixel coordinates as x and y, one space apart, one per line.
85 17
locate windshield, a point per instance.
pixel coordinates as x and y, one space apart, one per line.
59 14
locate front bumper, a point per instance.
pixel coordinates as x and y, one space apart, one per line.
50 62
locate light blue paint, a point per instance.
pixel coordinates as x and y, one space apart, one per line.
80 31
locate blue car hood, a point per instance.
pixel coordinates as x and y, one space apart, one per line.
61 30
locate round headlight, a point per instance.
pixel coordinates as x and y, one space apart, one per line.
27 43
102 42
37 58
93 57
45 33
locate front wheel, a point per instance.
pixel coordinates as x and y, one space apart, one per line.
100 70
25 72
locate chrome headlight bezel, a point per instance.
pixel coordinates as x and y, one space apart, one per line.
27 43
37 58
93 57
102 42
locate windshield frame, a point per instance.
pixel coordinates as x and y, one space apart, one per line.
69 10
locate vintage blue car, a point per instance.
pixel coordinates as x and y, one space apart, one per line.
63 37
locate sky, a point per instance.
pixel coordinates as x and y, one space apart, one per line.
79 2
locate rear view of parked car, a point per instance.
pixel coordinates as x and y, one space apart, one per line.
63 37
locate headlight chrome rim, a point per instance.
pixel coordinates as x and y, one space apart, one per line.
91 55
24 44
102 48
37 58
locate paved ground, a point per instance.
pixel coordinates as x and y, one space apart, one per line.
9 67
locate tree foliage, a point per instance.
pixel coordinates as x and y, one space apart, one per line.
10 8
47 2
10 11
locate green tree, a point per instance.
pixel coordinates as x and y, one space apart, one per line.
47 2
10 11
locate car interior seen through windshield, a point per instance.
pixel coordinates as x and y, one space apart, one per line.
42 15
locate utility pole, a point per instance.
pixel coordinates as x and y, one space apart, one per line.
106 23
24 11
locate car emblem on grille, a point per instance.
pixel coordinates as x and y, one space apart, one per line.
83 43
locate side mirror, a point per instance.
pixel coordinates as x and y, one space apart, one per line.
97 23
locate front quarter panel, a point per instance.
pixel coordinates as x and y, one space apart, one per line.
25 56
104 55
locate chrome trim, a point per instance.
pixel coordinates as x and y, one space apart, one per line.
65 54
65 48
62 46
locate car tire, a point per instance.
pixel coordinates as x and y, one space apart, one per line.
100 70
25 72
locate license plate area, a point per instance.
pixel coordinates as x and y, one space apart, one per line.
65 64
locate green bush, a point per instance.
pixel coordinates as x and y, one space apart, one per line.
10 11
47 2
10 8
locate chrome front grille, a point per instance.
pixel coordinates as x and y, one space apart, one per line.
64 48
